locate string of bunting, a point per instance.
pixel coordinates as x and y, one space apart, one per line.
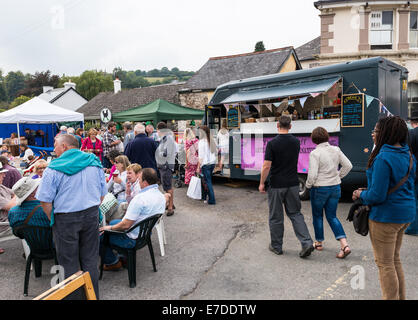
286 102
370 99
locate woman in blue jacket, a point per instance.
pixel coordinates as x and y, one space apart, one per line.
390 214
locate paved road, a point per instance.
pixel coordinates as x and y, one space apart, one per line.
221 252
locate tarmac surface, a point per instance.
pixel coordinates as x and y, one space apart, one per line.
221 252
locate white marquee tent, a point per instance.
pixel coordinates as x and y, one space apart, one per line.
37 110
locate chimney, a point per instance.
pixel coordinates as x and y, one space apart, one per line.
117 85
69 84
47 88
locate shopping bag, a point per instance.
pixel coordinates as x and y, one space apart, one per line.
195 188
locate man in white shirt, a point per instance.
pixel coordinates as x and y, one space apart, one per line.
149 201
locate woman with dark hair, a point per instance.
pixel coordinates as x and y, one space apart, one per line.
390 214
207 160
324 179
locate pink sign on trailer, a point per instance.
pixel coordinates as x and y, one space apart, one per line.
253 150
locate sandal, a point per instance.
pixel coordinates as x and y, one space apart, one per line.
344 252
318 246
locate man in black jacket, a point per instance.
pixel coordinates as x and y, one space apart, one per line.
413 141
142 149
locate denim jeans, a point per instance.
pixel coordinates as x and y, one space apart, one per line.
326 198
120 240
207 171
413 227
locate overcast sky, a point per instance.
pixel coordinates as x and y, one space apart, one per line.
71 36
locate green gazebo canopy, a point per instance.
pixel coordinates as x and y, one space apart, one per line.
157 111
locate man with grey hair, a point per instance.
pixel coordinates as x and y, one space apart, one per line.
142 149
71 190
281 161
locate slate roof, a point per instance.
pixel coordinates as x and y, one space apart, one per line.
130 98
54 94
219 70
308 50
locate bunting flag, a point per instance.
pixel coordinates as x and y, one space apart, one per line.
276 104
383 109
302 101
369 100
315 94
258 107
290 102
270 107
226 107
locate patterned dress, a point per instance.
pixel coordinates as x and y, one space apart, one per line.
192 159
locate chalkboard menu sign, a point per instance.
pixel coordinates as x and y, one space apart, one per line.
352 112
233 117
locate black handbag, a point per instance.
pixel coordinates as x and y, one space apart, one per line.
359 213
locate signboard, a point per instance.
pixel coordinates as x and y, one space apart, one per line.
352 111
233 117
105 115
253 150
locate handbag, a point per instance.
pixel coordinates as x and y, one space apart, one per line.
195 189
359 213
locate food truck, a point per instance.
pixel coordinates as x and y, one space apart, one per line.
346 99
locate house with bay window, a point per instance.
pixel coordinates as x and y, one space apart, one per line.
352 30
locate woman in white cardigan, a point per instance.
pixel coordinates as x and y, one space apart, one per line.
324 179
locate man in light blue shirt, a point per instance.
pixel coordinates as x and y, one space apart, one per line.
149 201
72 188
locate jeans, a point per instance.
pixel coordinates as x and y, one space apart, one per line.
413 227
326 198
386 240
120 240
207 171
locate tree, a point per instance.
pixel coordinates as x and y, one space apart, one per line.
14 81
19 100
34 85
259 46
3 95
92 82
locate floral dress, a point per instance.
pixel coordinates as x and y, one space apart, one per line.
192 148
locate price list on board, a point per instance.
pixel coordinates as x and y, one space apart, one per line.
233 117
352 114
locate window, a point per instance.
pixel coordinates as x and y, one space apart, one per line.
381 30
413 30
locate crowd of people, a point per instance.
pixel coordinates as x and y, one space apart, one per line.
137 171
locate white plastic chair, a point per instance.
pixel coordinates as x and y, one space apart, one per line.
26 248
161 235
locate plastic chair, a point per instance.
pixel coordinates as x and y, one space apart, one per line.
161 235
39 240
144 239
26 248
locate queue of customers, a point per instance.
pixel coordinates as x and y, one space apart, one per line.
392 214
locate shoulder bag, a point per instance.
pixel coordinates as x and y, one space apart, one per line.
359 213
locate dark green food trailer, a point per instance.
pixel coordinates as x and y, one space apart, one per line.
346 99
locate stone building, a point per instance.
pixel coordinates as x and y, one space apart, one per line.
352 30
198 90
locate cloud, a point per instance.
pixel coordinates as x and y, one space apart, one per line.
72 36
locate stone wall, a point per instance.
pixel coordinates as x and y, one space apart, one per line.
196 100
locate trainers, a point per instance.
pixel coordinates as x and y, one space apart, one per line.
306 252
274 250
112 267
